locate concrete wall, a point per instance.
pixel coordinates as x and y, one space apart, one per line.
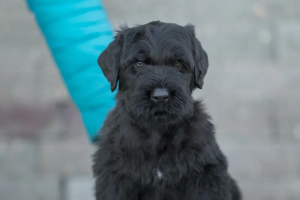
252 91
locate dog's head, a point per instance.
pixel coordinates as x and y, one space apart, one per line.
157 66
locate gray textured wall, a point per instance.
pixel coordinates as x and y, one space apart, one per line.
251 90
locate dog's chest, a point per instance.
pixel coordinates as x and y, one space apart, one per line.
165 161
157 174
159 160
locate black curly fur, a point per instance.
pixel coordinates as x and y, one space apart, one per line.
158 151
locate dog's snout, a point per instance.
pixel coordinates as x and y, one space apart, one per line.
160 95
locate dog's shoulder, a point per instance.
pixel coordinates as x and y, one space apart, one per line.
201 137
200 124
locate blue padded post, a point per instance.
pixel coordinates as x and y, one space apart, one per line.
77 31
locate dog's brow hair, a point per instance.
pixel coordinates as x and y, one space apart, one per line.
155 45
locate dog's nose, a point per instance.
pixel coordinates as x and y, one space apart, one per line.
160 95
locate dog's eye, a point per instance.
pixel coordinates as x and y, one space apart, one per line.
178 64
139 64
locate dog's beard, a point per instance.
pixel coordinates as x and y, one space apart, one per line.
141 108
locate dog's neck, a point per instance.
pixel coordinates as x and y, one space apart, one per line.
136 132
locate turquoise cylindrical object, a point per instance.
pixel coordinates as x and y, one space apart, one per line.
77 31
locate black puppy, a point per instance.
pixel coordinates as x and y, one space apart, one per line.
158 143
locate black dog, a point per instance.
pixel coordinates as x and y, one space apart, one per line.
158 143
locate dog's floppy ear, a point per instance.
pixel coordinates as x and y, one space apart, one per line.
200 58
201 64
109 61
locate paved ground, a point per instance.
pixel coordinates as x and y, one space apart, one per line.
252 91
